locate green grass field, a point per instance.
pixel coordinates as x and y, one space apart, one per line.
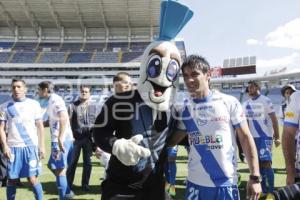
50 191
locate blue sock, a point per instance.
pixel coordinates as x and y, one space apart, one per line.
173 169
263 174
11 192
167 172
270 179
62 185
38 191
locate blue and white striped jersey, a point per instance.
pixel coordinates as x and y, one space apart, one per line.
56 105
257 111
20 118
210 124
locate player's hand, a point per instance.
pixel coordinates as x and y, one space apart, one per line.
42 153
253 190
277 142
7 152
128 151
98 153
61 145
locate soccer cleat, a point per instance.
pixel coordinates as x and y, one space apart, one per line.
167 186
70 195
172 191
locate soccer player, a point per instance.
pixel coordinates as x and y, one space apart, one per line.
263 125
23 145
291 150
286 92
61 137
212 119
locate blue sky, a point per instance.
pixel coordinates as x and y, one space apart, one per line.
267 29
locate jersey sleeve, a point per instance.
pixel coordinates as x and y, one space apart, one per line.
292 111
3 116
237 115
59 105
269 106
38 111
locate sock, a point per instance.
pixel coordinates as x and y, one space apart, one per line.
11 192
167 172
62 185
270 178
263 174
173 169
38 191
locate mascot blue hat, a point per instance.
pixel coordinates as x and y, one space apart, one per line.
173 17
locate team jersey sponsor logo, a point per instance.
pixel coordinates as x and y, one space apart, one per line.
289 115
212 141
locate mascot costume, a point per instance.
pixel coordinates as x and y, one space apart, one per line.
133 126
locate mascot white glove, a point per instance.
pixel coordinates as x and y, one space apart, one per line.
128 151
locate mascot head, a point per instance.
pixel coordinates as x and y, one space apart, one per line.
160 66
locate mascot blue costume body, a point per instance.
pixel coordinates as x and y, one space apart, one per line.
133 126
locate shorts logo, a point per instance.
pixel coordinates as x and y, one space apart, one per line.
33 163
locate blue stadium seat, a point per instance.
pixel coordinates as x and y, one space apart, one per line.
138 46
132 56
52 57
106 57
4 56
6 45
24 57
25 46
79 57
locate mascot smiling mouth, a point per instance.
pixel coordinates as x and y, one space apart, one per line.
156 94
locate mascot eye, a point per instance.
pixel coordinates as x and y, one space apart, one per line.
154 66
172 70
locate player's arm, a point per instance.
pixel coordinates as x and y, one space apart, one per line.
275 128
249 148
176 137
103 130
289 152
63 119
41 137
6 149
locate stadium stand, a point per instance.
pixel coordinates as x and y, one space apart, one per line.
49 46
25 46
94 46
52 57
134 56
71 47
106 57
6 45
24 57
79 57
4 56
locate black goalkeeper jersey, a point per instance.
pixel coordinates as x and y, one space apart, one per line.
124 116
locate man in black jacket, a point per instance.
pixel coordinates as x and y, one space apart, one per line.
82 117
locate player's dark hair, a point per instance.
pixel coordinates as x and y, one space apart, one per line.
46 84
196 62
18 80
118 76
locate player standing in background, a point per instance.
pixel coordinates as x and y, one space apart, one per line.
61 137
263 125
23 145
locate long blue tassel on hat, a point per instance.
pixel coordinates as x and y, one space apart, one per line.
173 17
